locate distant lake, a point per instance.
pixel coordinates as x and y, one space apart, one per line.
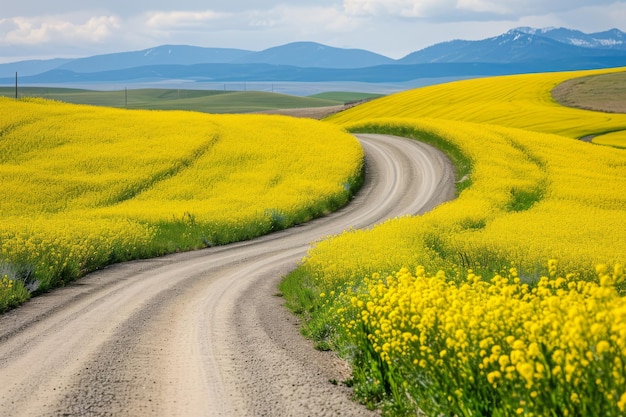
283 87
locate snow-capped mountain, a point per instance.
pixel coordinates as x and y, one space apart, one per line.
610 39
526 45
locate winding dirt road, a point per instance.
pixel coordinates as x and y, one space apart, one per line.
202 333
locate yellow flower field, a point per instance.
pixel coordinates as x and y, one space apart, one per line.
406 301
522 101
532 197
86 186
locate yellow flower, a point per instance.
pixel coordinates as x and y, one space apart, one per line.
621 404
492 377
603 347
526 370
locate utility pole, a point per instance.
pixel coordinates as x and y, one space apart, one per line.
16 85
125 96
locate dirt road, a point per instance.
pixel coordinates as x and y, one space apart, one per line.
201 333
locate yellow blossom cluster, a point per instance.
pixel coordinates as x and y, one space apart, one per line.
496 347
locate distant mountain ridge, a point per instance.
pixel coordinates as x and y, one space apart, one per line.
521 49
525 45
160 55
300 54
314 55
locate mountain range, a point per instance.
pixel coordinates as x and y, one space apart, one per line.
516 51
526 45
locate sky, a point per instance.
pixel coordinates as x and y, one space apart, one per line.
43 29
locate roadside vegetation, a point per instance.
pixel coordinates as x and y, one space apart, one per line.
508 300
84 186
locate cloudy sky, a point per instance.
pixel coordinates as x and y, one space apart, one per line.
75 28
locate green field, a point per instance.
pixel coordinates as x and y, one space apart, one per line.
345 96
208 101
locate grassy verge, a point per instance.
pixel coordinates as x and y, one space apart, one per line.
190 234
461 161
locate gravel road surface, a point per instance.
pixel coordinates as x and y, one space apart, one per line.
202 333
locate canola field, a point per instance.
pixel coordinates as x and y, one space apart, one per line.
508 300
83 187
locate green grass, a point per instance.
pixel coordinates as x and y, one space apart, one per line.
462 163
208 101
345 96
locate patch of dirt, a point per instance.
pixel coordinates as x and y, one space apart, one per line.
605 93
312 112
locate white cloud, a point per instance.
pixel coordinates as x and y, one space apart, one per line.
289 19
401 8
484 6
466 10
50 29
390 27
309 19
173 20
